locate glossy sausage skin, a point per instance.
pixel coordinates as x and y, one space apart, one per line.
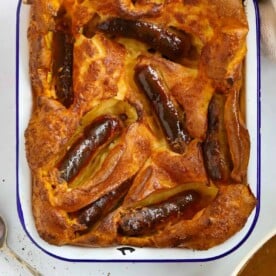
149 81
215 148
96 210
171 44
95 135
146 220
63 67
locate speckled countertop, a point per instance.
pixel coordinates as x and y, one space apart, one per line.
21 244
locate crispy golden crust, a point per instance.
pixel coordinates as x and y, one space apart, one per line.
215 224
125 125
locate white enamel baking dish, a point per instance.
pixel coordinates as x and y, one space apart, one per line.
114 254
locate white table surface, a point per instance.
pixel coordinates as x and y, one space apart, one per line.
47 265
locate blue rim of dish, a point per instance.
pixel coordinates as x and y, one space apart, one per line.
258 172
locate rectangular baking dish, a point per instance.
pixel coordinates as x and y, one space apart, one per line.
131 254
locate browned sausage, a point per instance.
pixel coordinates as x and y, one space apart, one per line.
136 222
96 210
99 132
215 148
171 44
149 81
63 67
62 48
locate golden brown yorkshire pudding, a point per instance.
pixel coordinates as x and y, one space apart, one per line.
136 134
